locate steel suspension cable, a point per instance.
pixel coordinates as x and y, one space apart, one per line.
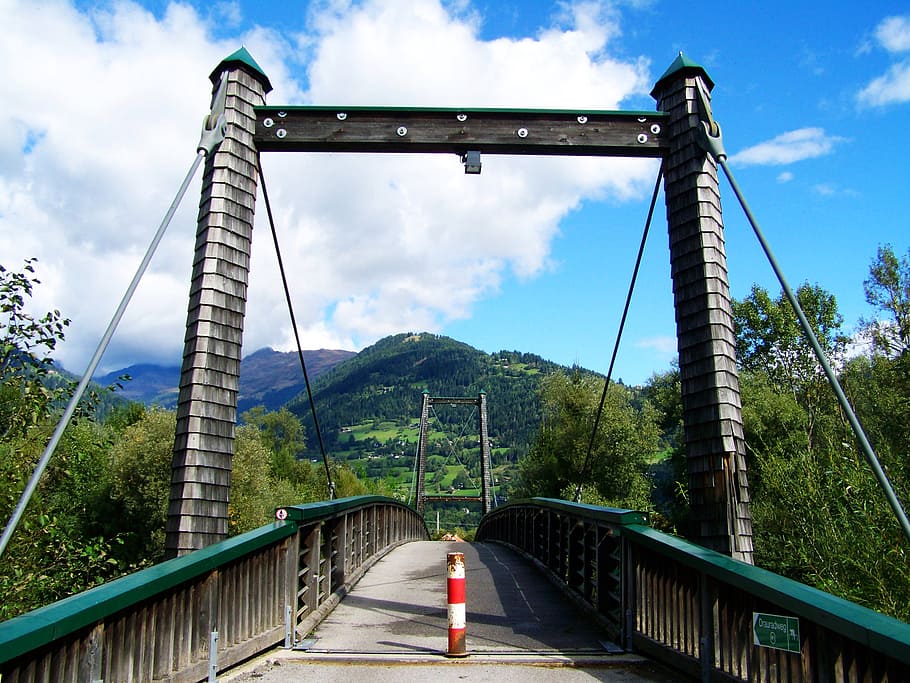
214 129
858 430
622 324
710 138
287 296
96 358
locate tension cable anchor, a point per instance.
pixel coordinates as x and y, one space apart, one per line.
214 125
709 135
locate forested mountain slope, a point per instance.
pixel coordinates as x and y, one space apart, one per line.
385 382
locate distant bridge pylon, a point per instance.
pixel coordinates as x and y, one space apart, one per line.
486 470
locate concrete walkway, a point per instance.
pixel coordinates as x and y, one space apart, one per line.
392 627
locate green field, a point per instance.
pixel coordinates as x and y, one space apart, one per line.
385 450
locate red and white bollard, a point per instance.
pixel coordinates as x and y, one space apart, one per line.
456 597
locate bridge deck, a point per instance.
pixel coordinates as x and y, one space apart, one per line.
397 614
400 606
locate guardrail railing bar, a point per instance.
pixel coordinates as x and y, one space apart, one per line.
692 608
243 588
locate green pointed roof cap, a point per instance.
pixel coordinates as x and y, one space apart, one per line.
687 66
242 58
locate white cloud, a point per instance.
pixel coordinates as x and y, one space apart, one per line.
229 12
893 34
662 345
787 148
101 118
830 190
785 177
892 87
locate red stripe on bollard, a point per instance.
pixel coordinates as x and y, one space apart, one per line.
455 585
456 591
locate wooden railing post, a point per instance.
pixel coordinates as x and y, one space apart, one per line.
629 601
339 544
706 603
90 666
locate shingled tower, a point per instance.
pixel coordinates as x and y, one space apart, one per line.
209 380
712 413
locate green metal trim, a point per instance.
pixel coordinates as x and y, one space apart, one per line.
243 58
332 508
595 512
862 625
685 65
35 629
272 109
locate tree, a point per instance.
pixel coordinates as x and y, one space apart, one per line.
878 387
281 429
888 290
26 342
140 478
558 462
663 392
251 503
282 434
461 480
56 550
769 341
818 514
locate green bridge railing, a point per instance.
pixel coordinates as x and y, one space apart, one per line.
192 616
680 604
694 609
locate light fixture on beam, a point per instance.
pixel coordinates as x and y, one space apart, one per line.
471 161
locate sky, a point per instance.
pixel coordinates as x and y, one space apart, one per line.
102 109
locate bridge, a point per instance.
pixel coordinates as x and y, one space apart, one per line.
623 586
697 611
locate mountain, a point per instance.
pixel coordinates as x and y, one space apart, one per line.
272 378
384 382
147 383
267 377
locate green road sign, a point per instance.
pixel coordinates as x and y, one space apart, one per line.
773 630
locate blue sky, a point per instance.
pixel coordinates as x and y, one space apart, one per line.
102 108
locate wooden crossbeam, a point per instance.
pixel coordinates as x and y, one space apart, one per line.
443 400
442 498
458 131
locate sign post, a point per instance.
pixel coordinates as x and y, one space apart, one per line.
773 630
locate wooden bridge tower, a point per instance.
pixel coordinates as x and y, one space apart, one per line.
210 376
486 470
712 411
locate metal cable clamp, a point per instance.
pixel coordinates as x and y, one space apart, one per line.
214 125
708 135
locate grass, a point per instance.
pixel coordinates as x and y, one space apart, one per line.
389 431
659 457
400 476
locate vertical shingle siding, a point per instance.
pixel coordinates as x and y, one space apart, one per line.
209 381
712 415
